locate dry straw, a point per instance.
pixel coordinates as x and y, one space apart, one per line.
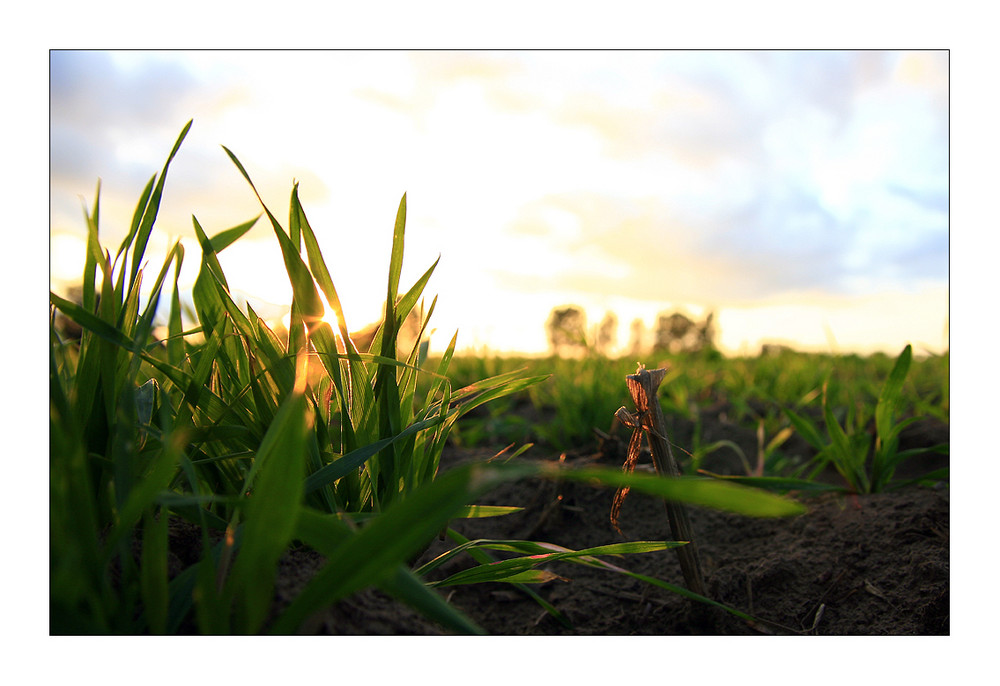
648 419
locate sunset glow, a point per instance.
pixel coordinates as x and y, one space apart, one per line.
801 197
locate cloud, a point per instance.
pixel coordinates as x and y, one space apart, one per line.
597 244
110 123
115 116
413 84
804 161
96 103
674 176
84 82
753 173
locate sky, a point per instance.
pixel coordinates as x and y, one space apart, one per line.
800 196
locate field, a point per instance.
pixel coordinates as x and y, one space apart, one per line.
876 563
228 478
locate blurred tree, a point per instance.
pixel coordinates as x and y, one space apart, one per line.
566 329
706 333
606 336
676 333
774 349
637 331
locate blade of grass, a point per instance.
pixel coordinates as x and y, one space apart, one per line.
140 208
91 322
407 587
398 533
890 398
351 461
388 461
275 495
482 557
93 254
806 429
317 265
207 301
75 550
887 431
153 572
848 461
175 341
141 498
149 215
514 569
778 483
721 495
324 533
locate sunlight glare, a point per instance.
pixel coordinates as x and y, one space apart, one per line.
66 258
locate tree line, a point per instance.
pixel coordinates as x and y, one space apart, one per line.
672 332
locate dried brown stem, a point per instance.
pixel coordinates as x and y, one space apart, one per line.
642 386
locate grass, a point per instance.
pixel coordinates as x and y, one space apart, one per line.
849 410
268 443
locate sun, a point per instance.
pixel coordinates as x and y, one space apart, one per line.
329 314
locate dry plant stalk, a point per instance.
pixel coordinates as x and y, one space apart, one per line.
648 419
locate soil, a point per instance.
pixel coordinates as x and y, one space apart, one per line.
852 565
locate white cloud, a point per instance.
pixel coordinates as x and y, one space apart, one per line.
736 175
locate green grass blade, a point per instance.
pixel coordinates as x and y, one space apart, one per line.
403 306
144 325
396 259
129 312
207 300
93 254
224 239
175 341
153 573
847 457
469 398
140 208
407 587
387 466
317 266
371 556
149 215
295 219
514 569
90 322
887 430
351 461
680 590
354 376
806 429
482 557
75 567
306 302
272 509
324 533
935 475
197 384
108 355
479 511
777 483
141 498
890 397
720 495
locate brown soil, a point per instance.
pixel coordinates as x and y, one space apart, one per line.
853 565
